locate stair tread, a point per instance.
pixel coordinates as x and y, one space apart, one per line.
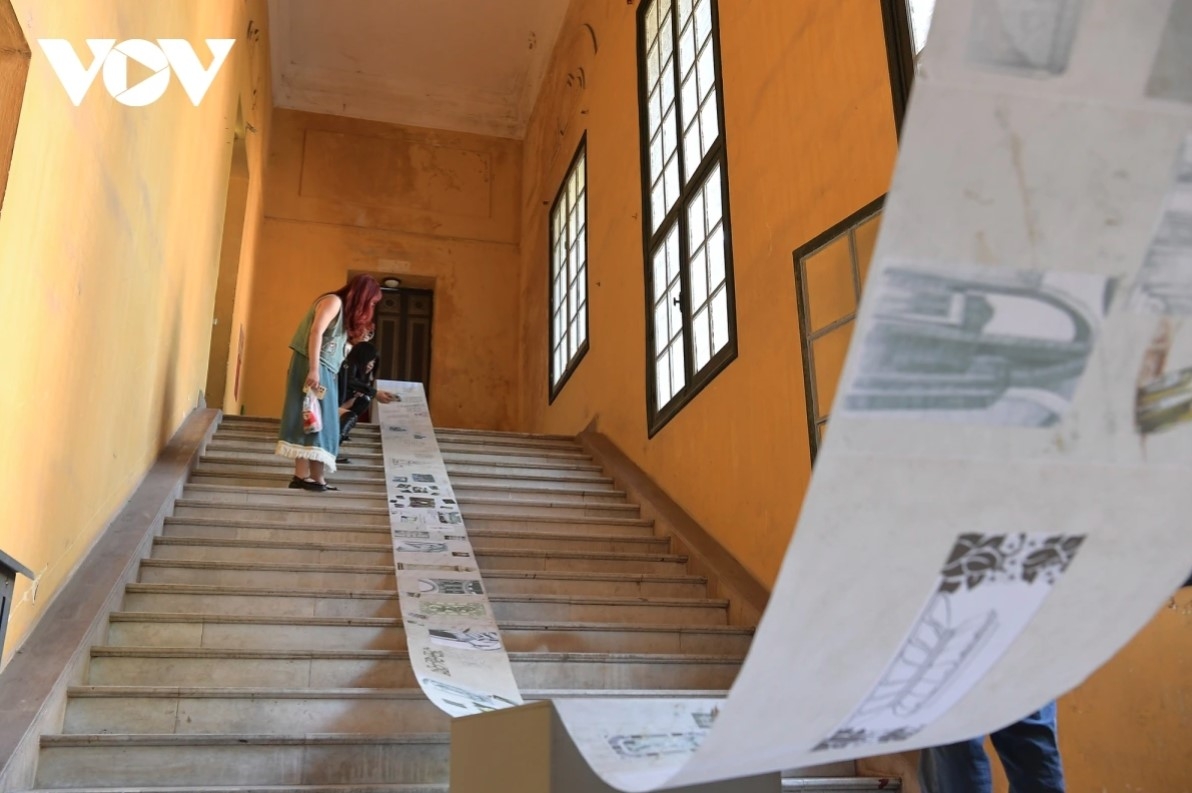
384 622
110 651
258 788
385 531
297 567
346 511
519 502
364 594
284 476
534 553
199 692
241 739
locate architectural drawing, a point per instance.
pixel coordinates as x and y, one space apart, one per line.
987 586
980 346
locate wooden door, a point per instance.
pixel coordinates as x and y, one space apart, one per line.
404 335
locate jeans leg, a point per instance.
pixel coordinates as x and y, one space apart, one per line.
1030 753
956 768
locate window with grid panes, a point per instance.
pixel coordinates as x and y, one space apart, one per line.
569 274
691 317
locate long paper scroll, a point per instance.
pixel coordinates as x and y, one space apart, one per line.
1002 499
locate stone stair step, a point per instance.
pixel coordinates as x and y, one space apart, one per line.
241 422
356 577
461 483
264 462
225 631
244 759
255 789
198 549
543 506
328 511
641 540
338 668
168 710
371 453
374 482
256 601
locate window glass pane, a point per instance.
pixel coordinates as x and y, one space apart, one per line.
828 279
660 279
666 39
866 239
662 382
672 255
657 205
675 309
672 182
661 329
920 14
703 20
706 71
654 107
678 372
687 48
695 222
668 85
701 339
652 22
690 100
712 193
709 122
656 156
684 11
716 256
719 320
652 64
828 353
699 280
693 152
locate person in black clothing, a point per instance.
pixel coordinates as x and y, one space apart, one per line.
358 387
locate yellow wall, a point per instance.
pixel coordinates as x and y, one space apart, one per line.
437 209
109 243
810 136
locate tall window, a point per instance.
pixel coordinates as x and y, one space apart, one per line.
907 23
829 273
569 273
691 315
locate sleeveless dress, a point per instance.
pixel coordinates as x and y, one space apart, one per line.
321 446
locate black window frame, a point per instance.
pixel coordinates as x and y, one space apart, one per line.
900 55
808 336
555 387
676 218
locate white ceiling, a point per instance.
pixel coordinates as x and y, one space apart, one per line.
463 65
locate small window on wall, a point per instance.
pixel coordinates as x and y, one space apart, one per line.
829 272
569 273
906 23
691 315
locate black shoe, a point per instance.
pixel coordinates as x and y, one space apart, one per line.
296 483
342 460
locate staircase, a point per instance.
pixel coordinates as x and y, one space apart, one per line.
261 647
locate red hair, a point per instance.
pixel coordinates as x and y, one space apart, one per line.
357 297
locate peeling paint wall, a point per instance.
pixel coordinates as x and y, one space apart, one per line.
437 209
109 242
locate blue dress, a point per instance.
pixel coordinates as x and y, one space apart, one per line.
293 442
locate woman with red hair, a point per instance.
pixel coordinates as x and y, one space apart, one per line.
319 346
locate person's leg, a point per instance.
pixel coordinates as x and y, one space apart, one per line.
956 768
302 468
1030 753
316 472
